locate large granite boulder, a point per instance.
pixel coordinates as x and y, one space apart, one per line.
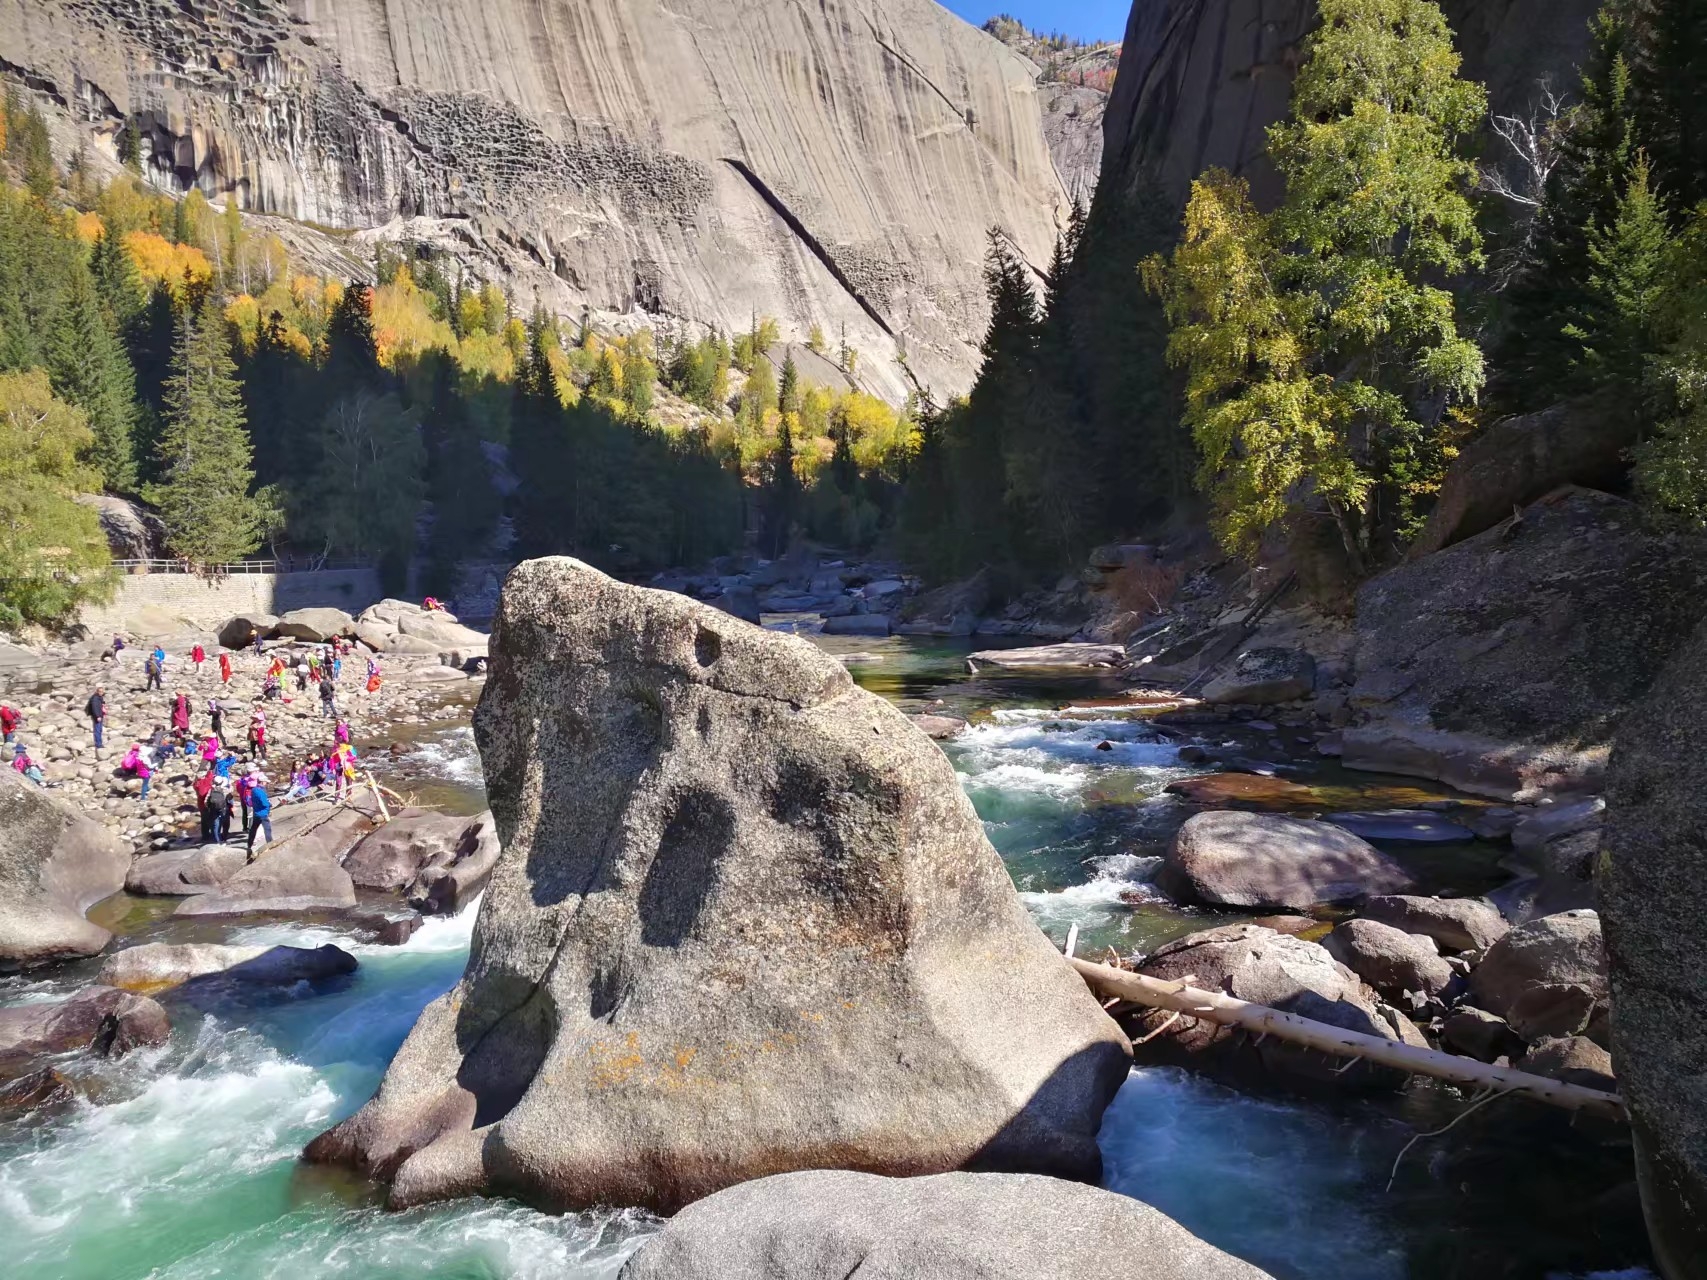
1503 664
1455 924
300 870
1547 977
745 921
1653 896
1258 964
99 1020
1263 677
315 625
1230 858
179 873
54 865
1521 459
437 861
829 1225
235 631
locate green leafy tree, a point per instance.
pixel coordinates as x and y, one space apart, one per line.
53 555
782 502
32 151
90 369
1320 345
206 461
815 341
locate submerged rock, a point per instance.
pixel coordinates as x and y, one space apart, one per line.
1261 861
1402 826
1241 790
1060 657
100 1020
745 920
54 865
824 1225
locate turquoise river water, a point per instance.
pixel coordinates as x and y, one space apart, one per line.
181 1162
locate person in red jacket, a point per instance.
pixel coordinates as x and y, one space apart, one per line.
225 668
198 655
8 722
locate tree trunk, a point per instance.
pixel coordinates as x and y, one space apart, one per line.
1214 1006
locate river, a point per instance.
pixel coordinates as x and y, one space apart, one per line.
181 1163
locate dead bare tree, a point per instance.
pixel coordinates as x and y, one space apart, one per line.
1533 148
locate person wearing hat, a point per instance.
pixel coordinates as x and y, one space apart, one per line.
260 812
29 768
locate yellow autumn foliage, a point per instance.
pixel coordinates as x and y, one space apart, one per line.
159 261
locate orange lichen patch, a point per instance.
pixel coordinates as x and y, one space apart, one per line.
615 1062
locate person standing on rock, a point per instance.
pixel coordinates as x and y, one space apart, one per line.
341 732
203 787
9 719
198 655
216 720
258 733
112 654
219 809
260 813
151 670
145 771
328 697
181 713
224 668
241 786
96 710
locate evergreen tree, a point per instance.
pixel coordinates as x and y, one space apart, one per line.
90 369
1669 66
788 390
35 156
205 462
465 504
542 453
1627 259
782 500
180 233
639 376
129 145
116 280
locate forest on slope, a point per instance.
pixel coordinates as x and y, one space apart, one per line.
1310 370
161 349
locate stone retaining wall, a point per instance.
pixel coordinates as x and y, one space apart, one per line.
145 600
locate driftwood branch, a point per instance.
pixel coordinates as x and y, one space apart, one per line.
1215 1006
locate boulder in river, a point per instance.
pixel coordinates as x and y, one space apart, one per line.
1395 963
54 865
858 624
1263 677
745 921
1242 791
1283 972
1456 924
437 861
1263 861
831 1225
939 728
99 1020
1557 821
1573 1059
1547 977
1050 657
178 873
159 966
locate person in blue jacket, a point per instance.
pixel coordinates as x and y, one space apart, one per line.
260 812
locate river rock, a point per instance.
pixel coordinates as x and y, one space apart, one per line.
54 865
100 1020
443 635
939 728
1455 924
235 631
1502 664
1402 826
1392 961
392 856
158 966
828 1225
1264 677
1262 861
1283 972
44 1087
950 610
745 920
182 872
1547 977
1478 1034
1241 791
1060 657
1573 1059
314 625
742 603
299 870
1557 821
858 624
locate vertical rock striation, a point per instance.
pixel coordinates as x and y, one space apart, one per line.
745 922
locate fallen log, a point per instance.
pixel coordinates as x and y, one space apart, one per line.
1214 1006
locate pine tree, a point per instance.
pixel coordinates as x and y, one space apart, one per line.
40 177
181 232
788 390
205 459
783 498
1626 282
90 369
116 280
129 145
1668 68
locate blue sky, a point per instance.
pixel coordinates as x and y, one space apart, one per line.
1085 19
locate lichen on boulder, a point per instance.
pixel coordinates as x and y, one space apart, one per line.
745 921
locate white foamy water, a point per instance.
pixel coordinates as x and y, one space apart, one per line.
1117 881
451 756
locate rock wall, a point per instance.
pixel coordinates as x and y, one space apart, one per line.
835 163
1200 81
208 602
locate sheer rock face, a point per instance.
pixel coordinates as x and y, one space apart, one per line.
1200 81
745 922
828 163
1653 897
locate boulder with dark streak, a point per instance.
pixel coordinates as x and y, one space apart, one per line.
100 1020
745 920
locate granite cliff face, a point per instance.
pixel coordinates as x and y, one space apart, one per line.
835 163
1201 80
